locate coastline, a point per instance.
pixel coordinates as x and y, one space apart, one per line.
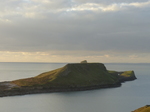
71 77
37 90
9 89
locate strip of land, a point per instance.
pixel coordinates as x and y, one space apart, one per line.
71 77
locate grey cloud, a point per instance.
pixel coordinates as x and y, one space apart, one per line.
110 1
120 31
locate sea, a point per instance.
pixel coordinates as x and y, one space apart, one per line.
130 96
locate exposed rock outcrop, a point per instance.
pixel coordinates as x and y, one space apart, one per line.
84 61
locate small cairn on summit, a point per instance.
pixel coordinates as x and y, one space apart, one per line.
84 61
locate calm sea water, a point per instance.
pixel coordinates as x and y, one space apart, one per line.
130 96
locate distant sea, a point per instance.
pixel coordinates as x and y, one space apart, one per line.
130 96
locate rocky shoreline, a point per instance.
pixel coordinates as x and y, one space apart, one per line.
72 77
12 91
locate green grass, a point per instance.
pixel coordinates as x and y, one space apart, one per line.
124 74
143 109
72 75
127 74
38 80
111 71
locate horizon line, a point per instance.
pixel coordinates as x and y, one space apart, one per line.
88 62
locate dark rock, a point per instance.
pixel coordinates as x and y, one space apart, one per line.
84 61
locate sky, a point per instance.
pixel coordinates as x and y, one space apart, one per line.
104 31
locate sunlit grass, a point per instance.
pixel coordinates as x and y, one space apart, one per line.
143 109
127 74
72 75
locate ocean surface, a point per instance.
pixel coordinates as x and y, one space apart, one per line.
130 96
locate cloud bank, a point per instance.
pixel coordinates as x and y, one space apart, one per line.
84 28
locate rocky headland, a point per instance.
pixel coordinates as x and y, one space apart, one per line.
72 77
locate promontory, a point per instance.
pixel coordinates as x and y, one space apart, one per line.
71 77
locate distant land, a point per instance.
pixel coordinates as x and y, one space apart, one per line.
143 109
71 77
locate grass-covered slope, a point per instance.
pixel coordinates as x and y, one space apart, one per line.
124 76
72 75
143 109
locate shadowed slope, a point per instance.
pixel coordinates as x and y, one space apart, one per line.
72 75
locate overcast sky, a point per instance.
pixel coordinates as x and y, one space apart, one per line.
74 30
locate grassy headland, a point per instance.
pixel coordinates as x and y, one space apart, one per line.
72 77
76 75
